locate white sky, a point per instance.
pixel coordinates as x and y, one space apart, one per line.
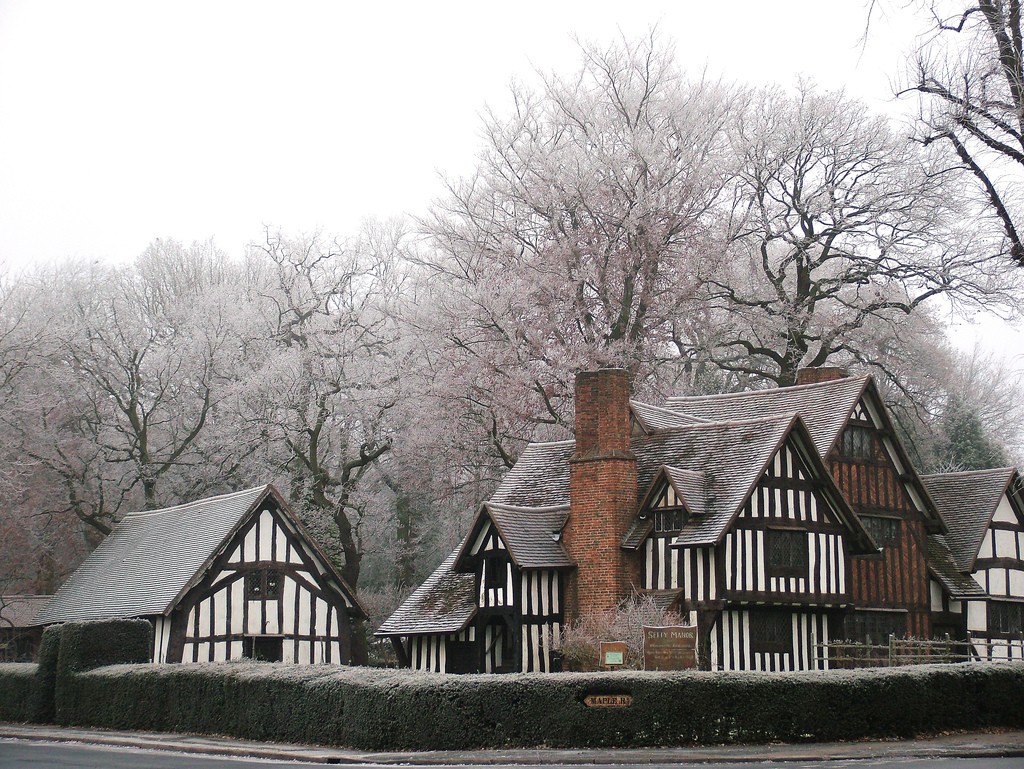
121 122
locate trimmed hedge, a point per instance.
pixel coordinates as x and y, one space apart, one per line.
19 686
374 709
44 711
88 645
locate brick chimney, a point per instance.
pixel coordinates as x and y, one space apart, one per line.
602 494
820 374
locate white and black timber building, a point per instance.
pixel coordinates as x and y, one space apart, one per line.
222 578
735 524
978 593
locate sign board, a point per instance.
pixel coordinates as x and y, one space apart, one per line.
613 654
670 648
608 700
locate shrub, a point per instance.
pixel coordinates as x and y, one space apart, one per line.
45 706
581 642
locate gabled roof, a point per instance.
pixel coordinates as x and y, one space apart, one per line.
732 456
690 487
967 501
19 611
729 456
444 603
153 557
532 535
540 478
943 567
824 406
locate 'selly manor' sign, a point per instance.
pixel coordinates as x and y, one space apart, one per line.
670 648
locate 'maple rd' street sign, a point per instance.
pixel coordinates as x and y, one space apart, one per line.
670 648
608 700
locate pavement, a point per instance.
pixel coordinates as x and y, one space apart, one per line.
995 743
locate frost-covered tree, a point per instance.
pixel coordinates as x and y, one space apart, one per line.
573 243
322 378
836 224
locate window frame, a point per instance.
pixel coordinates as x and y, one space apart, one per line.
1006 617
874 524
495 570
263 648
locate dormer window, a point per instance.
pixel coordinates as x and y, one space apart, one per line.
669 519
668 511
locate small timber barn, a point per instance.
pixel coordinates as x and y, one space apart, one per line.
222 578
733 521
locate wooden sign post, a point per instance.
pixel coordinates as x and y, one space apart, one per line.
670 648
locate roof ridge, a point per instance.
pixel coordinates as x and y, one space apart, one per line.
784 417
563 442
959 473
204 500
527 508
787 388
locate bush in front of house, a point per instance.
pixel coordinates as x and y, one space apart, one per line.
580 642
374 709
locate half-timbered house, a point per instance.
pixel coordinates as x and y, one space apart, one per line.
979 594
222 578
496 604
854 436
736 524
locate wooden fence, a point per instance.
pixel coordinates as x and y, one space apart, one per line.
914 651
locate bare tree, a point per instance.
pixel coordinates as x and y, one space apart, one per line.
124 391
969 73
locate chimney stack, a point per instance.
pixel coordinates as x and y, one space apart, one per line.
820 374
602 494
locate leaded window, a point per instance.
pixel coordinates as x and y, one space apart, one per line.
771 632
875 627
1005 617
263 584
885 532
669 519
858 442
786 553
